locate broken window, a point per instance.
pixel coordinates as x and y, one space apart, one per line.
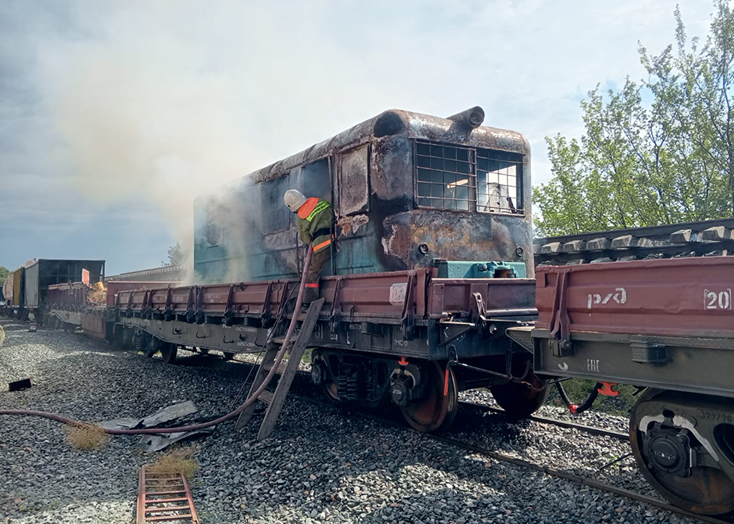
499 175
275 215
445 176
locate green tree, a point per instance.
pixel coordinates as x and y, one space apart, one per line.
657 151
176 256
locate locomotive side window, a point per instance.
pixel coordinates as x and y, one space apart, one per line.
446 177
275 216
499 176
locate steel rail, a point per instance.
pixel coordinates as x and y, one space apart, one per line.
551 421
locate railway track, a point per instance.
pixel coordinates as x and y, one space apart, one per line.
509 459
550 421
554 472
550 471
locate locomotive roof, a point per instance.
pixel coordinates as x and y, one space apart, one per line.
395 122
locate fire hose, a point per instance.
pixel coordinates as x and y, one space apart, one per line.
195 427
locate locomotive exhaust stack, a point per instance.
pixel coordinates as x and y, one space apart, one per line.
471 118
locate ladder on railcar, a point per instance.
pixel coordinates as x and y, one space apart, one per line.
287 371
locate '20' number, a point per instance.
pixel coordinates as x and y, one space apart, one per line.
717 300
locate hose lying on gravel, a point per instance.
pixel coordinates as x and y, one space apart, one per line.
579 408
194 427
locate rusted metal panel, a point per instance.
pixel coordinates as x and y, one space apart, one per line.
17 288
501 295
94 325
71 295
689 297
115 286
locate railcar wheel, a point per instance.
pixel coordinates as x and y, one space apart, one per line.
332 392
663 450
435 411
520 400
168 352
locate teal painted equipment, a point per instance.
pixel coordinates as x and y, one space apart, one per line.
473 269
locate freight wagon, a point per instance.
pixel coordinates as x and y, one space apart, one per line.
29 285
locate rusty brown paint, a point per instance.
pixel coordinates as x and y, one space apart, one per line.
690 297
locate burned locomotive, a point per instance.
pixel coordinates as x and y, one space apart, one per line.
431 262
408 191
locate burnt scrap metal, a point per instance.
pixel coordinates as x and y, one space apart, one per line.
161 442
705 238
167 414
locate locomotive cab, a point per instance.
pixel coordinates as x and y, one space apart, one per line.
408 191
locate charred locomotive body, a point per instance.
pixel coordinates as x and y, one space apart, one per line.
406 189
415 197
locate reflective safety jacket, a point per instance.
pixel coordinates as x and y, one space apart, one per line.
314 223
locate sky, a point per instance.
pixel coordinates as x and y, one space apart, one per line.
114 115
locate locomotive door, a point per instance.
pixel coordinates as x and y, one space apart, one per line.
353 229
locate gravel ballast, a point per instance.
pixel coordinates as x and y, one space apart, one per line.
322 465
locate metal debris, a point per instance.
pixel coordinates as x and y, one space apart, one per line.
159 442
166 414
19 384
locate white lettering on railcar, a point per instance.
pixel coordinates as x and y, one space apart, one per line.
619 295
592 365
717 299
397 294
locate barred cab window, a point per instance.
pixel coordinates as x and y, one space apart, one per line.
499 177
445 177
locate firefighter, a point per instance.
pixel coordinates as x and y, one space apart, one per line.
314 227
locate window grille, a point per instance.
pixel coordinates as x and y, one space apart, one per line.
446 178
463 179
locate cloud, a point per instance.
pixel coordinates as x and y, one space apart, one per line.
131 104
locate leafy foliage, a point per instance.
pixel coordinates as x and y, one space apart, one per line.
658 151
4 274
176 256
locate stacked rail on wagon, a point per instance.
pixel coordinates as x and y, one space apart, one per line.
704 238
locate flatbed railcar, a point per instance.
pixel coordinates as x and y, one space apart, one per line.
666 325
